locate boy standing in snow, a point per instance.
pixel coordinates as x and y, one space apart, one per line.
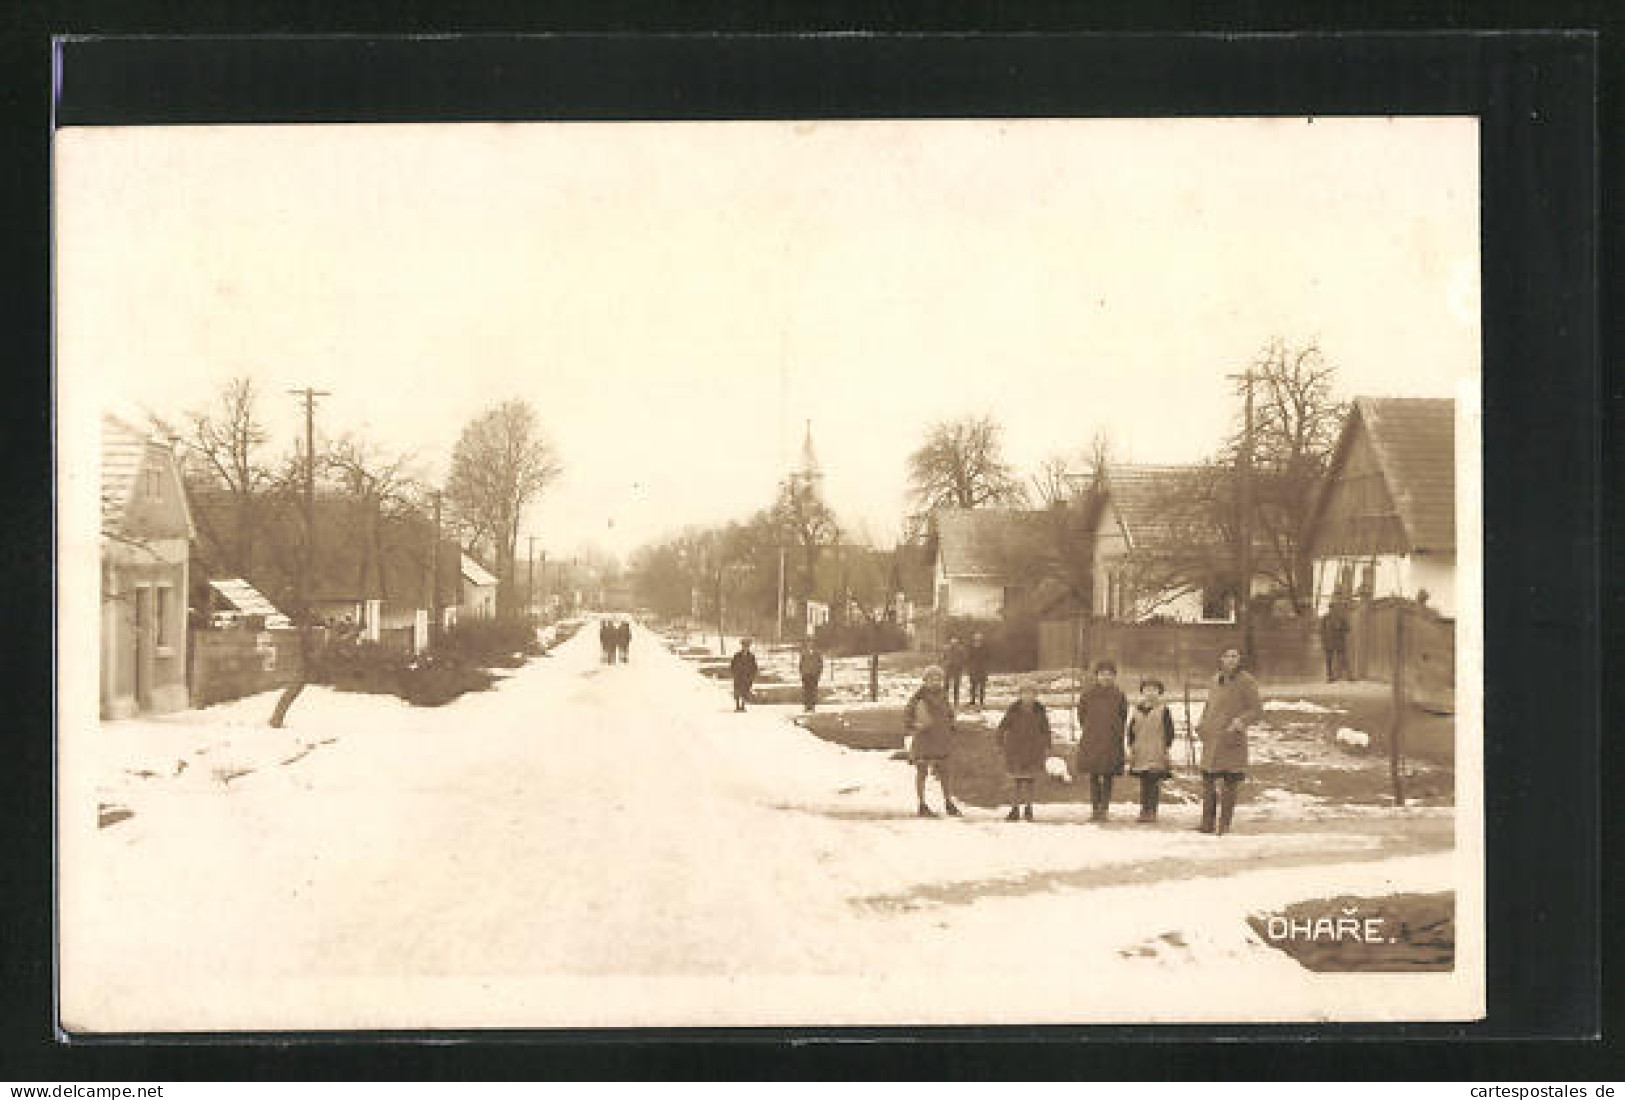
1150 736
1232 706
743 668
1102 712
929 718
812 670
953 666
1024 737
976 667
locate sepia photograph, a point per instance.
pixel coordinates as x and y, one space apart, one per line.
796 573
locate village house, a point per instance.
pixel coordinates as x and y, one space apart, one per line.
979 558
146 531
1384 520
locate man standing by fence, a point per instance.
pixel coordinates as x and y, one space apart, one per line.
1334 641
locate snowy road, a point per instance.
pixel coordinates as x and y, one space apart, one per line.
590 845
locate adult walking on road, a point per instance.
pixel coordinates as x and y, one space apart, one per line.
606 641
812 671
929 719
743 668
623 640
1232 705
976 661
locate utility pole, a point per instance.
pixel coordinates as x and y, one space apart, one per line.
307 558
434 570
1244 472
530 581
778 628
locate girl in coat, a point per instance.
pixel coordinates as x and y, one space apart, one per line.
1150 736
929 719
1024 737
1102 712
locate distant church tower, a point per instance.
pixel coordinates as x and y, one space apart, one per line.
809 472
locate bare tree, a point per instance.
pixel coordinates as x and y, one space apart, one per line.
961 464
1052 481
379 486
502 462
806 523
224 452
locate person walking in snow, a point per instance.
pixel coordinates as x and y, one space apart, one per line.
1102 713
928 717
1150 736
1024 738
953 666
812 671
623 640
1232 705
606 641
743 668
976 660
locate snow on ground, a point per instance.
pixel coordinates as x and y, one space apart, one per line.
592 845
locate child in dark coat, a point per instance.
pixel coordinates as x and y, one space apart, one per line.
1102 712
743 669
1150 736
1024 737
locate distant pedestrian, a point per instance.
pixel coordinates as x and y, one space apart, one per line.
812 671
1150 737
743 668
623 640
606 641
928 717
976 661
1232 706
953 666
1024 738
1334 641
1102 714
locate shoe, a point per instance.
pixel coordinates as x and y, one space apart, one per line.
1028 812
1014 814
951 810
926 811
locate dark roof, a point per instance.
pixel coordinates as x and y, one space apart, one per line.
1139 495
913 573
123 448
980 542
1414 440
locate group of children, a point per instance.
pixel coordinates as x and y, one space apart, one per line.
1112 736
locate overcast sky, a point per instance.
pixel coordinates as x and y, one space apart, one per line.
676 300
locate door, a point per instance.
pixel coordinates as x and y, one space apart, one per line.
143 647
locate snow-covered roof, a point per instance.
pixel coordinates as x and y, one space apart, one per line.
247 599
475 573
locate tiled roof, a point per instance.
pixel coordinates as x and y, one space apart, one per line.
123 448
1415 442
1139 495
475 573
979 542
247 599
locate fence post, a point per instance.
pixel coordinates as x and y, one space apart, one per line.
1396 726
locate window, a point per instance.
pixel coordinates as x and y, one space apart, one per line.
163 616
155 484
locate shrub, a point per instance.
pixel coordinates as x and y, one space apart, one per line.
489 642
860 638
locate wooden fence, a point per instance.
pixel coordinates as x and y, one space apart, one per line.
1286 649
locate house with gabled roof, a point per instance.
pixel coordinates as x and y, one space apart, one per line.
146 532
1384 519
977 558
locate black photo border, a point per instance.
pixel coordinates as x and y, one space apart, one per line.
1536 95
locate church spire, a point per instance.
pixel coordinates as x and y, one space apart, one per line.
809 459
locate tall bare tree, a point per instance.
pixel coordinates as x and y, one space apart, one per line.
224 446
379 485
503 461
807 523
961 464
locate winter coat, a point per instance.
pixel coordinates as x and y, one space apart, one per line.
743 667
929 717
1150 736
1334 630
812 666
1101 714
623 636
953 659
1024 736
1231 700
976 659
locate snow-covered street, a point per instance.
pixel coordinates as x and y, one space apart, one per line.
591 845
